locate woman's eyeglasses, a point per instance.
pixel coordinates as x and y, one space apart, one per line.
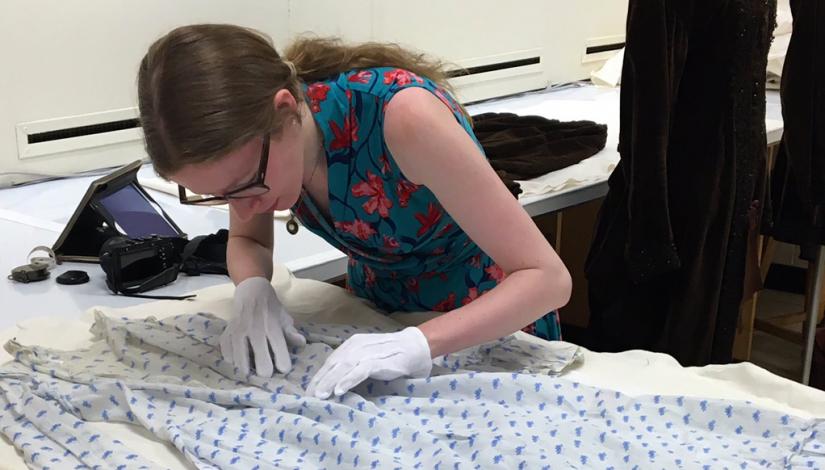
254 188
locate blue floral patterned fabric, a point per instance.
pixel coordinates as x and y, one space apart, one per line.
406 252
499 405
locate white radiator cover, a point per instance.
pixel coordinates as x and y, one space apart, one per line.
68 65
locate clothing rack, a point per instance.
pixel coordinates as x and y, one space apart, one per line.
812 308
813 299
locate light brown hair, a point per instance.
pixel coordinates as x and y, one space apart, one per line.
205 90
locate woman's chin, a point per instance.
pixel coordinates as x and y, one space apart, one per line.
274 207
281 204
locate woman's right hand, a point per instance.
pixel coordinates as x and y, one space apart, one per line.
261 323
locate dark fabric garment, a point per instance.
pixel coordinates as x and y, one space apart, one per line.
667 262
524 147
206 254
798 181
512 185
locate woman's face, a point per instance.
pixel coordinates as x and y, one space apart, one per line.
284 171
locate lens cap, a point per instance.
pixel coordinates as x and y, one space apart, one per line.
73 277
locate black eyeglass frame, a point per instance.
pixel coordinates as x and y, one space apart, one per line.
258 182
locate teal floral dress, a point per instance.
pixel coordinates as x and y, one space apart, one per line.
405 251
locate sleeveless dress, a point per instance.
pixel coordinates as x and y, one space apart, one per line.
405 251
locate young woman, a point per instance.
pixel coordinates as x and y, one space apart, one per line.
367 147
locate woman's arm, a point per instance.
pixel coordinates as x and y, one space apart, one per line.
433 150
249 247
260 330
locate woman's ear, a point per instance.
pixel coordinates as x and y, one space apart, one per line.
284 100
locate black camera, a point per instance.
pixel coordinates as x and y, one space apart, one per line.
135 265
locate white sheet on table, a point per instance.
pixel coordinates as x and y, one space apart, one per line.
634 372
588 171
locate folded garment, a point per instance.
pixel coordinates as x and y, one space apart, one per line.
525 147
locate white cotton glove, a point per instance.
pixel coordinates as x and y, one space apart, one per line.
259 321
382 356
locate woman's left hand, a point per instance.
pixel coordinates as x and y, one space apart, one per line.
382 356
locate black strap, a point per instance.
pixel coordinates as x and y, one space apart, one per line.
159 297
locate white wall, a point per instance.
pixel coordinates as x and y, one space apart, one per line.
76 61
68 58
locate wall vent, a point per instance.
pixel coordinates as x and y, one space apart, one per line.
510 64
86 131
498 75
601 48
79 131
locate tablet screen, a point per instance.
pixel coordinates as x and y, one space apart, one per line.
135 215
